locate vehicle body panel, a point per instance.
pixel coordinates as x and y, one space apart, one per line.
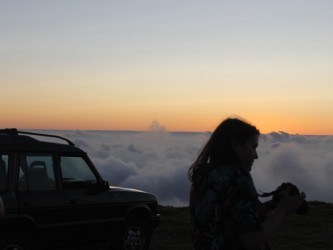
75 205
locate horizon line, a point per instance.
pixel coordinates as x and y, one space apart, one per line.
162 130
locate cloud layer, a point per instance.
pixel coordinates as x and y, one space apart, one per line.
158 161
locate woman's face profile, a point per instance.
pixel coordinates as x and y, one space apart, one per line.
247 152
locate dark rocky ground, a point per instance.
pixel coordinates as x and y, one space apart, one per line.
307 232
304 232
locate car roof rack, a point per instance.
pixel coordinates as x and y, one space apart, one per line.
14 131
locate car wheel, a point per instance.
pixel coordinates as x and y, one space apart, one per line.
136 235
14 241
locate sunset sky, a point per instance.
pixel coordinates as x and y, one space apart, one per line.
183 65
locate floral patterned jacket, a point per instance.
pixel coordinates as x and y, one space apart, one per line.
223 206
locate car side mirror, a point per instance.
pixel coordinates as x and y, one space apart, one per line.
104 186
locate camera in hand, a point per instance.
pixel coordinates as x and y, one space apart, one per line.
293 190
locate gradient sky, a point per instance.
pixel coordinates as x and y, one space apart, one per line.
84 64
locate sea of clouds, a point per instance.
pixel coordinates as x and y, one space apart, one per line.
157 161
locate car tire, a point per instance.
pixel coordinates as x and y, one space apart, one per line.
136 235
14 241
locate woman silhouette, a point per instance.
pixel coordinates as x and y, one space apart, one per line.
224 206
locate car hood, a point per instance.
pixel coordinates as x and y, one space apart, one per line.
124 189
122 194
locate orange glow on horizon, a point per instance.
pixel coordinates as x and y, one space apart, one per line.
136 123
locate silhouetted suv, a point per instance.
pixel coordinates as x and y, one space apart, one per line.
54 196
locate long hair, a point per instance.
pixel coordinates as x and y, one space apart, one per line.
219 148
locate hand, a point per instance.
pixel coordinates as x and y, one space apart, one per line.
290 203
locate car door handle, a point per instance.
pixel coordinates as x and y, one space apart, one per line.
27 203
72 202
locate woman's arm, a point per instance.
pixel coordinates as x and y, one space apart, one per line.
287 205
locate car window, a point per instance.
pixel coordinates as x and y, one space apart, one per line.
76 173
37 173
3 171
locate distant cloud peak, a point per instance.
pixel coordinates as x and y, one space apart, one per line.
155 126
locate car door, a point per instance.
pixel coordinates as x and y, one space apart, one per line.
6 197
40 200
87 207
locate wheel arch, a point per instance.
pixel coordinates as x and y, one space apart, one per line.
139 211
21 225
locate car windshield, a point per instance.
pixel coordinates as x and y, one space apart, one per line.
76 172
